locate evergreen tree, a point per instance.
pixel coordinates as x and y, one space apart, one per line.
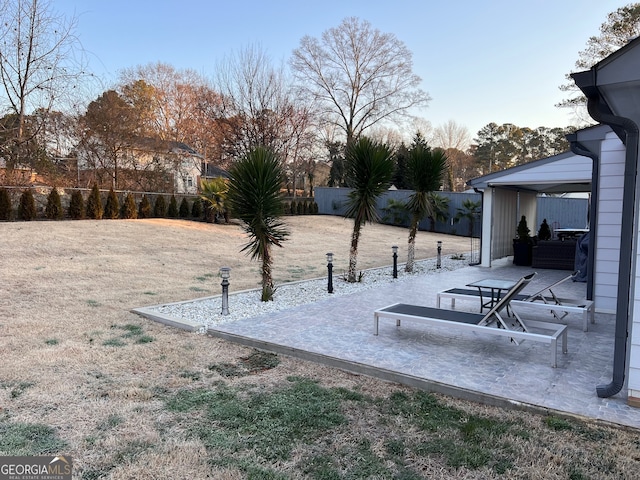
54 211
76 205
184 208
160 207
129 210
144 211
94 204
5 204
27 207
112 207
172 211
196 208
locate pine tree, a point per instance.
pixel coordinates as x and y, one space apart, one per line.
160 207
144 211
94 204
184 208
172 211
112 207
129 210
27 207
5 204
54 206
76 205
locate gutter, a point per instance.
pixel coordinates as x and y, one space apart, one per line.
599 112
579 149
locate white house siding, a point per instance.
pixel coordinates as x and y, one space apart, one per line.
633 382
607 254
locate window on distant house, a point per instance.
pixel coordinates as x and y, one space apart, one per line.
190 181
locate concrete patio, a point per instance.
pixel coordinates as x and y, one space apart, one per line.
339 332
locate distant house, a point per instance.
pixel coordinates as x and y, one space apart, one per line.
143 164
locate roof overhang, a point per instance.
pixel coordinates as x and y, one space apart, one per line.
562 173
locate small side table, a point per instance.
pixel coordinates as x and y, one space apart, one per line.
495 287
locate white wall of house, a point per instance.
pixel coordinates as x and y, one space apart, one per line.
633 379
607 254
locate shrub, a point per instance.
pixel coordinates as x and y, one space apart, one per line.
314 208
76 205
129 210
144 211
196 208
112 207
160 207
184 208
172 211
294 207
300 208
287 208
27 207
545 232
54 206
5 204
94 204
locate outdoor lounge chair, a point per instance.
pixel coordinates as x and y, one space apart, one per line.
494 322
559 307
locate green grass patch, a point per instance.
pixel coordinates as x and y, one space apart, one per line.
113 342
29 439
150 293
51 341
198 289
93 303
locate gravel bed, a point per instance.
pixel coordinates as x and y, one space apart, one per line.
288 295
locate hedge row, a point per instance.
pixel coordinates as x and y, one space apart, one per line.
97 207
111 207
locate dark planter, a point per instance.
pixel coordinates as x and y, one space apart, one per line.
522 253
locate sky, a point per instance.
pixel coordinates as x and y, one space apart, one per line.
485 61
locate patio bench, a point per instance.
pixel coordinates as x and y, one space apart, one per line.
559 307
493 323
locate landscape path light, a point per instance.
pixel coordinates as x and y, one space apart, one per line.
394 249
225 273
330 272
439 259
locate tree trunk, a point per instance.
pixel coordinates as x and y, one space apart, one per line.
353 252
267 278
411 246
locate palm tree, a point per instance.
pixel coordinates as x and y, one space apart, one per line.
213 195
369 170
440 209
426 168
254 198
470 210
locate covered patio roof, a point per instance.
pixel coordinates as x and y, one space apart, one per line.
562 173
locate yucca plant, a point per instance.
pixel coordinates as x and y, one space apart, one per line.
369 170
254 198
425 168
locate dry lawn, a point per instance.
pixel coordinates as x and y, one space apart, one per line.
81 375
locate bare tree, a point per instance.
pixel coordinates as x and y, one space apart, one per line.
358 75
451 135
40 62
